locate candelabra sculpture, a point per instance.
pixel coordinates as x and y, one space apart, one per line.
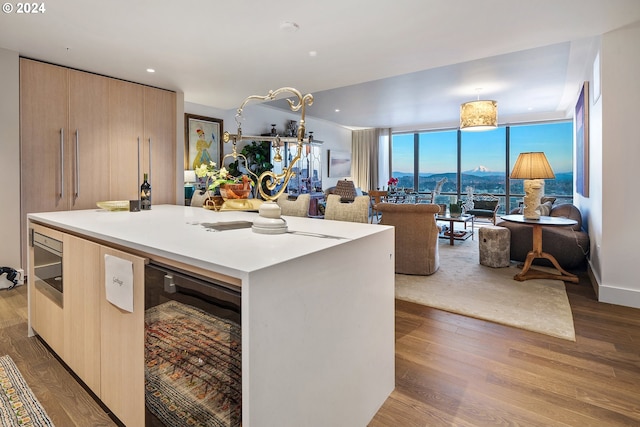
269 220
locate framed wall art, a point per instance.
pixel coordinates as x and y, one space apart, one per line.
339 164
202 140
581 123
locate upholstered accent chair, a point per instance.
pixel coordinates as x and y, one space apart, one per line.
416 236
294 207
356 211
485 206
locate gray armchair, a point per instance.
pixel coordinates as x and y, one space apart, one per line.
416 236
569 245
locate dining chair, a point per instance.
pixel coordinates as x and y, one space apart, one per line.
376 196
356 211
296 207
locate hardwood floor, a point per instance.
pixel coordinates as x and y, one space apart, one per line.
451 370
67 403
457 371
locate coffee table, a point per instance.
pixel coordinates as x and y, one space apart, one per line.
536 251
452 219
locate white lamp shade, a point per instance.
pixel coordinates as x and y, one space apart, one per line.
479 115
533 165
189 176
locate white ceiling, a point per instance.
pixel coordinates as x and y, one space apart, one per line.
401 64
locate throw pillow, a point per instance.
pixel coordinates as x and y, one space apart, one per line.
545 208
546 199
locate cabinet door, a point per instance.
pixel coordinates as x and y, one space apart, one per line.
126 120
44 184
82 309
89 139
160 128
122 347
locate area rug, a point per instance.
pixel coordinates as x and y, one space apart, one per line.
463 286
18 405
193 367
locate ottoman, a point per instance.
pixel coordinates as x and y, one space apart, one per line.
494 246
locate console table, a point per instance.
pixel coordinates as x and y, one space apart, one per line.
536 251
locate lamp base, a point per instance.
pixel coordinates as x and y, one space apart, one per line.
533 190
269 220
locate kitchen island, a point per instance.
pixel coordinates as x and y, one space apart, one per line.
317 307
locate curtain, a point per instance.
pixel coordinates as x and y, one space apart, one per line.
365 149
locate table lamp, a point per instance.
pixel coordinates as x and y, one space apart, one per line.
534 168
189 181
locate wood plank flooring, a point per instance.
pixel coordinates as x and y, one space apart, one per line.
456 371
451 370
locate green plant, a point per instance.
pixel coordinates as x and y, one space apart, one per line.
258 156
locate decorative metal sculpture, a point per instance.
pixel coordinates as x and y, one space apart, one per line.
269 221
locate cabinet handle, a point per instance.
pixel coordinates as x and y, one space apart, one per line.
150 160
77 164
61 163
138 190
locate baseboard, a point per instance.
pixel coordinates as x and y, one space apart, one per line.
613 294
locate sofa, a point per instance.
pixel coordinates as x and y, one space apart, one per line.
569 245
416 236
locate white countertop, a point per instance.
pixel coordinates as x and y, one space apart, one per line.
176 232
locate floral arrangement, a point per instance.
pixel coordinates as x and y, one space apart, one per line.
220 176
392 182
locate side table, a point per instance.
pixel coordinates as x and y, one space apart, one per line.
536 251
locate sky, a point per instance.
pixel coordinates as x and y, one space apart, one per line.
438 150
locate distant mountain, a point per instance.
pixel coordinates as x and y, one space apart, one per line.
481 168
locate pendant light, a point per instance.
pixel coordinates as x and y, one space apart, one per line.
479 115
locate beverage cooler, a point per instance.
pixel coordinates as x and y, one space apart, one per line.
192 350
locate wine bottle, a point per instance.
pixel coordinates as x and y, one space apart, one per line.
145 194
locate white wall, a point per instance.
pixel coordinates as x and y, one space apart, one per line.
10 155
616 238
258 120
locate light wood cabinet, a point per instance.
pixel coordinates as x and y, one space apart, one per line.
88 139
145 114
160 129
122 347
82 309
101 343
79 134
126 111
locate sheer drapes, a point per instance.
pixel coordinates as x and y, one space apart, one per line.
365 153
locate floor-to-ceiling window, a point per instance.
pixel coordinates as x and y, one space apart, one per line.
437 159
481 161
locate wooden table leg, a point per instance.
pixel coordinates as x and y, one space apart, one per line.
451 239
536 252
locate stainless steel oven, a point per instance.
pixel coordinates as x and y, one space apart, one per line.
47 264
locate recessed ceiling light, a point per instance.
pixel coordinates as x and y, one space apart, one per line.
313 53
337 110
289 27
150 70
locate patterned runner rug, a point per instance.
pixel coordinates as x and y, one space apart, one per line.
18 405
193 367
